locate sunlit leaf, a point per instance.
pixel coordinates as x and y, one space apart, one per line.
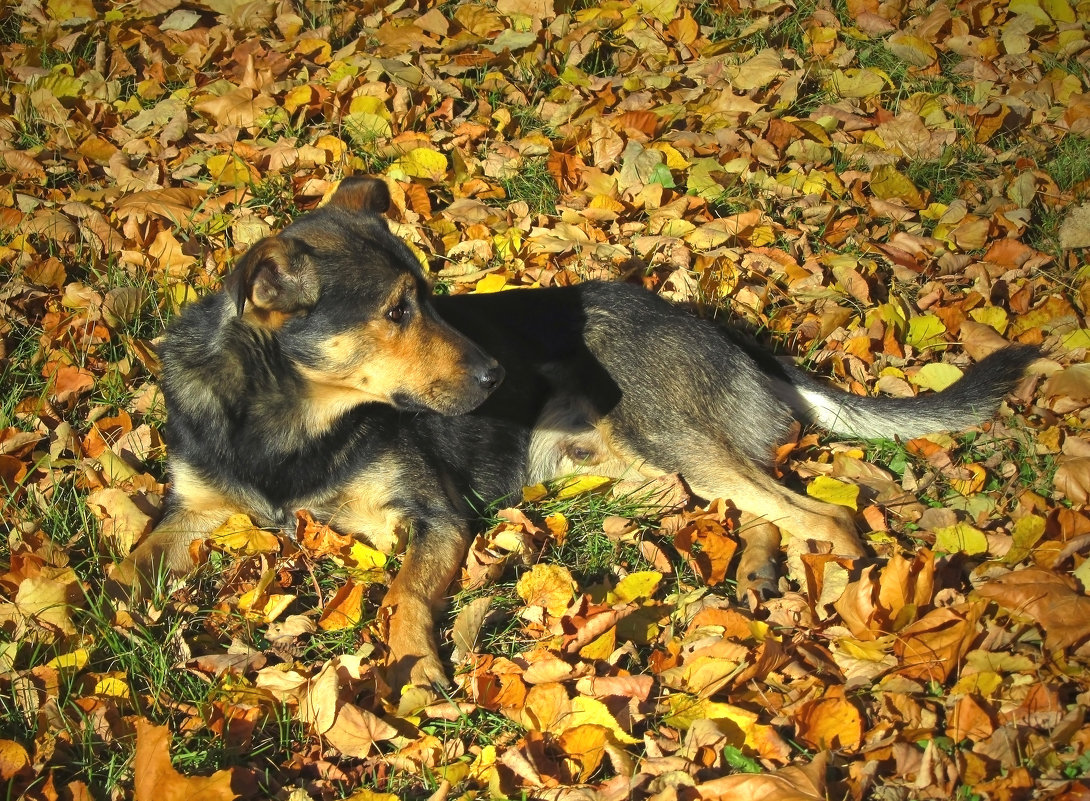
831 490
936 376
961 538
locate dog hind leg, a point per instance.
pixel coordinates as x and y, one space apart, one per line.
757 563
163 554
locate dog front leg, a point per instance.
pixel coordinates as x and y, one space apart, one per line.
415 595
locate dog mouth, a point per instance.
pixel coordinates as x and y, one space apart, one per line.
449 405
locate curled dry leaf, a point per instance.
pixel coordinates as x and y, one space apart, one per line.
1048 599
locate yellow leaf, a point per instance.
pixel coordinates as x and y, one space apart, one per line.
1016 32
76 659
678 228
422 162
636 586
762 235
332 145
584 747
369 104
831 490
1033 10
859 83
226 168
960 538
296 97
934 211
112 686
273 606
579 485
601 647
912 49
761 70
937 376
663 10
1059 10
870 651
557 525
674 159
995 316
687 709
364 127
1079 338
888 183
317 50
925 331
548 586
606 203
177 294
587 711
533 493
239 534
366 557
71 10
507 244
61 82
484 765
493 282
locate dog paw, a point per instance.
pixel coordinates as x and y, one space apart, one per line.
418 670
762 584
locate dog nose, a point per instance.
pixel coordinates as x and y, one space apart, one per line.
490 378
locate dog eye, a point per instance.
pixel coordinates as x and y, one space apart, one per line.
398 313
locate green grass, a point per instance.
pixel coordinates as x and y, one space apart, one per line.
751 31
1069 162
956 173
1012 464
534 185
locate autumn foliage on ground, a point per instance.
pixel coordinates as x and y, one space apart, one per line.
885 190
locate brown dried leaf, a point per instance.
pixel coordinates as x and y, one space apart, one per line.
1047 598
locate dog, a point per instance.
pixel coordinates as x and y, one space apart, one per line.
325 376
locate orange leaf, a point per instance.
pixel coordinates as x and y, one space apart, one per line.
584 746
155 779
345 609
831 721
933 646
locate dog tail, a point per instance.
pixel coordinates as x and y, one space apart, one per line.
969 401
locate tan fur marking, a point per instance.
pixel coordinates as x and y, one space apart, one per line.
364 508
424 359
758 493
269 319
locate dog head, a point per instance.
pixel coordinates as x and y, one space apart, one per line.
348 305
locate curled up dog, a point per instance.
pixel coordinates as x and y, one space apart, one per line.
324 376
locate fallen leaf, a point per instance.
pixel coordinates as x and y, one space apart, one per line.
1046 598
155 779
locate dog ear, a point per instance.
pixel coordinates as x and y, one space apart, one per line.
362 194
274 276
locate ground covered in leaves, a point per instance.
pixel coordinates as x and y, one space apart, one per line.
887 190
